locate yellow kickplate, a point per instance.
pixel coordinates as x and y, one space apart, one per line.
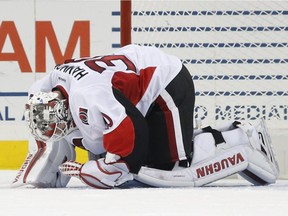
13 153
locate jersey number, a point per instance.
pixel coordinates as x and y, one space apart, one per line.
108 60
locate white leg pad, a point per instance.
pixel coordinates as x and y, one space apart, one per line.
40 167
242 153
263 167
223 164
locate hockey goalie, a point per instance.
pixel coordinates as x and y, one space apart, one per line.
134 107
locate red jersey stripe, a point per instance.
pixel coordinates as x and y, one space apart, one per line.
131 85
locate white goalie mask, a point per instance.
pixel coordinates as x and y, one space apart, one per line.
48 117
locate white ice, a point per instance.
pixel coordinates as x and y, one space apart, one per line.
233 197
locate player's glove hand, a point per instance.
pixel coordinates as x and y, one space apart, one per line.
99 174
71 168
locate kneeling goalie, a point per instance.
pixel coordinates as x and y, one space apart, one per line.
135 108
244 149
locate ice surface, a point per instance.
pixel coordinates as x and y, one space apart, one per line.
231 197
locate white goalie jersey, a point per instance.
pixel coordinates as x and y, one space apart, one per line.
89 84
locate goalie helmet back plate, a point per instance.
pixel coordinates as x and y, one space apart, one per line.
48 117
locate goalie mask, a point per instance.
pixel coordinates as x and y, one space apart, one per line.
48 117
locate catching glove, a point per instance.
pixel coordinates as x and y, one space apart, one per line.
98 174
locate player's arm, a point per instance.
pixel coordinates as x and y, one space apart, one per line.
125 139
128 137
111 121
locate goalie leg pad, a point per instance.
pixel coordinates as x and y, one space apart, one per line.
263 168
50 176
223 164
206 147
41 170
244 152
